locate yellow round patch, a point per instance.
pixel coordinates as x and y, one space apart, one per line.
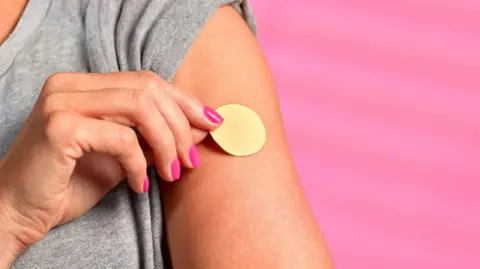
242 132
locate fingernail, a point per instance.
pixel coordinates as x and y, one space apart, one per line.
146 184
176 169
212 115
194 158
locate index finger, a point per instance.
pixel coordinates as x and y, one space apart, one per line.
77 81
198 115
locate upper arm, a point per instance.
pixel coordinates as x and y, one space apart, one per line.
247 211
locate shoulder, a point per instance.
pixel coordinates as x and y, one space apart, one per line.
150 34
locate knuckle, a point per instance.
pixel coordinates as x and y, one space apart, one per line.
182 134
143 101
151 80
53 102
184 126
166 145
128 139
189 97
60 127
140 165
140 97
170 144
54 81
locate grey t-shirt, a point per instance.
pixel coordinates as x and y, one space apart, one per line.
125 229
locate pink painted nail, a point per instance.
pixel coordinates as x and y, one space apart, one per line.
194 158
176 169
146 184
212 115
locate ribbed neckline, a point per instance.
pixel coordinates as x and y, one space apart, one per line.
23 32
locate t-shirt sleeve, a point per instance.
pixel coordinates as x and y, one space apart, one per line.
152 35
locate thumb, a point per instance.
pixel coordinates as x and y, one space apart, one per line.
198 135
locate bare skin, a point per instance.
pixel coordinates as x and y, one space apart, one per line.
76 145
10 12
239 212
230 212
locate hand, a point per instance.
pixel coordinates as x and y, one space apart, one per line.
77 144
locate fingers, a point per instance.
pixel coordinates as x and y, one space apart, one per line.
75 135
198 135
132 108
198 115
167 132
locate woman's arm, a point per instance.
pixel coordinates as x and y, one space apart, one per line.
239 212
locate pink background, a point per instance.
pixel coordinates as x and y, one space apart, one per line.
382 105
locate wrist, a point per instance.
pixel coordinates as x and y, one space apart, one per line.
14 237
10 245
9 249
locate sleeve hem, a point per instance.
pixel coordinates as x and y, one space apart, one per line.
182 24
